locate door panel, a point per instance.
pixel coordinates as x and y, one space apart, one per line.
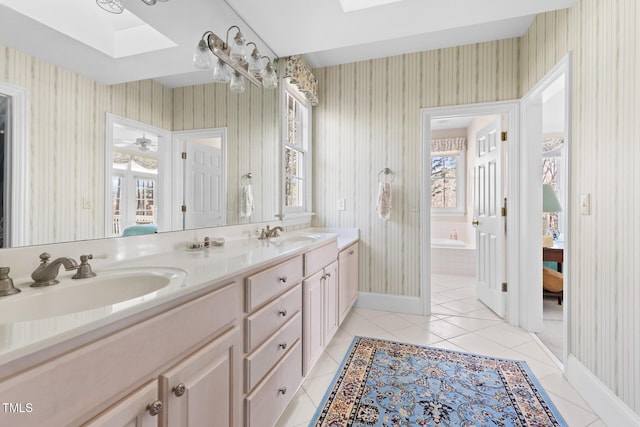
490 230
204 192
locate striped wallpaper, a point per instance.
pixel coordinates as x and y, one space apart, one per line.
66 115
369 119
251 120
605 152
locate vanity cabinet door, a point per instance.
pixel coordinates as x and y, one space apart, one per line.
204 389
348 267
139 409
330 284
312 311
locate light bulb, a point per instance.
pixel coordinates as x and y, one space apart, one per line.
237 83
238 49
221 72
202 57
270 79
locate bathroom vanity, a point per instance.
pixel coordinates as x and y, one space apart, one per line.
228 347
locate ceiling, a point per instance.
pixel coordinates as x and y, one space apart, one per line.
320 30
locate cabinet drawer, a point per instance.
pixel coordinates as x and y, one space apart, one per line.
265 405
318 258
267 284
269 319
267 355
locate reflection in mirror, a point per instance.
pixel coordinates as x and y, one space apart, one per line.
4 183
137 178
202 196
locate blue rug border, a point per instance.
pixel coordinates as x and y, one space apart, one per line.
534 379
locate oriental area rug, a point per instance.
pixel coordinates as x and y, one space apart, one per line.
386 383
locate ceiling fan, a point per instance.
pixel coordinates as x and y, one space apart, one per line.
144 143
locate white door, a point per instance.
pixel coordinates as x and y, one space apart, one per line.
204 194
490 224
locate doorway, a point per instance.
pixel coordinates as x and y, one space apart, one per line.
546 112
464 150
506 302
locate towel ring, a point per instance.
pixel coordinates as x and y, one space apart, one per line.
246 178
386 176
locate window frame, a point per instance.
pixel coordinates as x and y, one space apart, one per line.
461 188
306 208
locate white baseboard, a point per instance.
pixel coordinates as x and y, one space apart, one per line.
386 302
611 410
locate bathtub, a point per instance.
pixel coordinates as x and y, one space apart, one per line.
454 257
447 243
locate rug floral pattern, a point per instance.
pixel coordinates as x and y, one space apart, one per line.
385 383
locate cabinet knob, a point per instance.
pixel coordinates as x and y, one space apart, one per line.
283 345
328 274
282 390
283 313
351 252
155 408
179 389
283 279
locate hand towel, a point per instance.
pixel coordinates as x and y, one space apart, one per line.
384 201
246 201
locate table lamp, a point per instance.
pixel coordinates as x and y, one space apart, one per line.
550 204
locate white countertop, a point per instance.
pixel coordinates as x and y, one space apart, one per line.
206 268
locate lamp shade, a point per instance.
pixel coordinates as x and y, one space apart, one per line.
550 202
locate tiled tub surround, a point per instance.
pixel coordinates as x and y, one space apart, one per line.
453 260
23 344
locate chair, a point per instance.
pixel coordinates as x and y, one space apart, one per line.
136 230
552 283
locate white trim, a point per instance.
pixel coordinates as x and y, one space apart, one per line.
19 213
163 196
531 239
512 110
609 407
386 302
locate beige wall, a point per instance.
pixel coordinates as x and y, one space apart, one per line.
369 119
605 153
66 115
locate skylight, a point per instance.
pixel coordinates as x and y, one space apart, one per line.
114 35
351 5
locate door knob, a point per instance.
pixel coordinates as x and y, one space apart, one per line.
475 222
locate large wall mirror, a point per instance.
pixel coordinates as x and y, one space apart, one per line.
73 183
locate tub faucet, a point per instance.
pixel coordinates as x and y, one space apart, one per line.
45 274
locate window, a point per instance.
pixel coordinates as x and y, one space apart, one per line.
133 191
550 175
297 152
447 182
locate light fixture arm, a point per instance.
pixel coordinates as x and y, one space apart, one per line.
226 42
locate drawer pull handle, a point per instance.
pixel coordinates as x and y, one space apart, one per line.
283 313
351 252
328 274
283 279
179 389
282 390
283 345
155 408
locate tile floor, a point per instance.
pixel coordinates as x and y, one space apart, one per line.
458 322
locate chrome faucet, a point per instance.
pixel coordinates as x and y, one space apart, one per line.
45 274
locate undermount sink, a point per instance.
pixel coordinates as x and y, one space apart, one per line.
112 290
296 237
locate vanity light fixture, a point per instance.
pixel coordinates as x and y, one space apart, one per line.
115 6
231 63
